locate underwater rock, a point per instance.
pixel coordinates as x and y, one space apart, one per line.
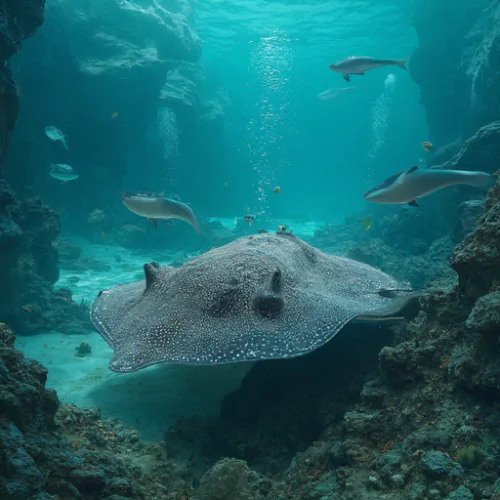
18 20
477 258
461 493
69 252
468 56
105 80
468 215
439 465
480 152
485 316
419 270
53 451
228 478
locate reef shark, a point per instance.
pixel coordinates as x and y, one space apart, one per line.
156 206
409 185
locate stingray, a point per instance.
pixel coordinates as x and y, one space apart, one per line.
269 296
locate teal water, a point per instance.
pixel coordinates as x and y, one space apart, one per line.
271 60
262 66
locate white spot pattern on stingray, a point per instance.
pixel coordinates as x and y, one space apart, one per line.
268 297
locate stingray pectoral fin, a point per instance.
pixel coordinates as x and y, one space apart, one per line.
110 307
401 308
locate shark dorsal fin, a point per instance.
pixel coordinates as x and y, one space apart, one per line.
412 169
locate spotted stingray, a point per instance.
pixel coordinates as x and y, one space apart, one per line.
261 297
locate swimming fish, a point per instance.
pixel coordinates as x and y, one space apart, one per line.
156 206
355 65
114 115
249 219
330 94
276 190
427 146
409 185
269 297
56 135
62 172
366 222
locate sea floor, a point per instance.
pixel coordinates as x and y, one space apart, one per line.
149 400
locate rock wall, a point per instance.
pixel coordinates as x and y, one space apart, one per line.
457 66
97 70
28 259
18 20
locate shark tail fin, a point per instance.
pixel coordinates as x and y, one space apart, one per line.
482 180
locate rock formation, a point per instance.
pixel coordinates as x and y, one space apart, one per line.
28 262
458 74
98 71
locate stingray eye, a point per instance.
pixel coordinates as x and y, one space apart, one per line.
268 306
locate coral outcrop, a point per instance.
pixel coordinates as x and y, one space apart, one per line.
50 451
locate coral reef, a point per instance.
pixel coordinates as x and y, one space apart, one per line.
60 452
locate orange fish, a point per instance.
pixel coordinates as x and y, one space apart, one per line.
427 146
249 219
277 189
114 115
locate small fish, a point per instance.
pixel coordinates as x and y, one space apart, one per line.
330 94
360 65
226 184
45 346
282 229
28 308
262 231
427 146
56 135
366 223
62 172
409 185
249 219
156 206
276 190
114 115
